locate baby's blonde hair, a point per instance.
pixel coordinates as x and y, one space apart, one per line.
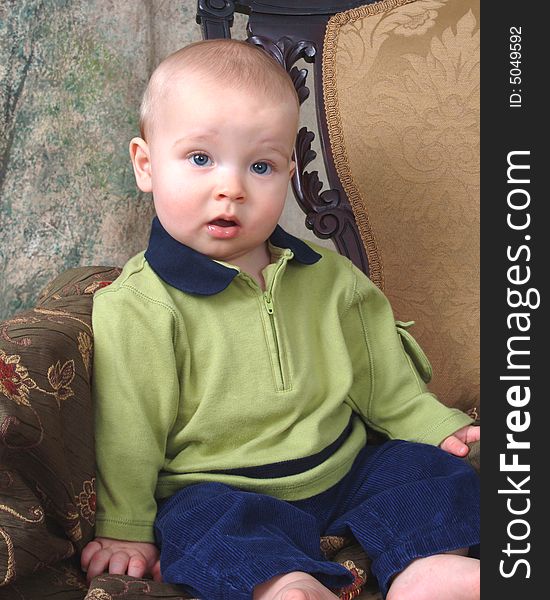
231 62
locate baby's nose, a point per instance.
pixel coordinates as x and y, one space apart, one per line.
230 186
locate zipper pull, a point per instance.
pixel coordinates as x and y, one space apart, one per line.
268 303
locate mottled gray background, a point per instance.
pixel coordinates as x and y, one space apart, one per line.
71 77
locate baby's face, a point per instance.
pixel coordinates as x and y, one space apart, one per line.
220 163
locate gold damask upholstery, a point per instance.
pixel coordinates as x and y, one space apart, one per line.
401 91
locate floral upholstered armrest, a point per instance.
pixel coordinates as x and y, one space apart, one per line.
47 497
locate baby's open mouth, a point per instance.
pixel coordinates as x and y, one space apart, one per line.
223 223
223 229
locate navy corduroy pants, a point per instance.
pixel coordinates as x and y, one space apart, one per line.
400 500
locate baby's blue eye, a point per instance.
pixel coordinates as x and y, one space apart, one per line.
199 159
261 168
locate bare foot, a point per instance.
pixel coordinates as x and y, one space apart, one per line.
293 586
442 576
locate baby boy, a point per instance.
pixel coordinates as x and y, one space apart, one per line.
236 366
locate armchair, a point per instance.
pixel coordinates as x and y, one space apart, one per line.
396 93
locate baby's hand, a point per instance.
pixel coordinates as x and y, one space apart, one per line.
456 443
120 558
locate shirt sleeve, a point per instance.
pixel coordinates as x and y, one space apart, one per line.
388 390
135 391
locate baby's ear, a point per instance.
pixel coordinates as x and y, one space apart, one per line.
141 161
292 169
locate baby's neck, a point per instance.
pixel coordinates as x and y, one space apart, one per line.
254 263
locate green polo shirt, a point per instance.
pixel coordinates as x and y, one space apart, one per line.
200 375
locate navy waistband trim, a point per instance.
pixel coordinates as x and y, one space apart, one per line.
290 467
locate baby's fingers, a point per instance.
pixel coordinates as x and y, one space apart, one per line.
137 566
89 550
118 565
155 571
453 445
474 433
99 563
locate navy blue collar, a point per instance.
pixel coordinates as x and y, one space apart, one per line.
195 273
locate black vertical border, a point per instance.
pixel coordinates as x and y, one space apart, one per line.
505 129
